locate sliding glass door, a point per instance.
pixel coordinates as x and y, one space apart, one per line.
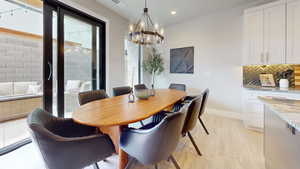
75 60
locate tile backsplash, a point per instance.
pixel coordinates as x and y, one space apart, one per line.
251 73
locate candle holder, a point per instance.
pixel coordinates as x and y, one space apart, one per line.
131 97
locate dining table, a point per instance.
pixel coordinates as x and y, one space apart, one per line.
112 115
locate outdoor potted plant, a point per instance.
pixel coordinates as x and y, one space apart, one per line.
153 65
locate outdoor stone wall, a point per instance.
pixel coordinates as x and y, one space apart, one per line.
21 59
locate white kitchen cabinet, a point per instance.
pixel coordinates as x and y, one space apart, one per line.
253 108
275 34
293 32
265 34
253 28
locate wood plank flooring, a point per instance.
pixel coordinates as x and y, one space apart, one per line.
229 146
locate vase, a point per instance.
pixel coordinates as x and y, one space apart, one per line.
152 90
284 83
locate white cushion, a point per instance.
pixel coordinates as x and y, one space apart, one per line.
6 89
33 89
73 85
20 88
86 86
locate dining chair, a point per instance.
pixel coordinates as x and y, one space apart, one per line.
118 91
194 107
156 141
89 96
176 86
65 144
202 109
140 87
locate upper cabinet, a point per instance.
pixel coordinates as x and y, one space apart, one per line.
265 34
293 32
275 34
253 35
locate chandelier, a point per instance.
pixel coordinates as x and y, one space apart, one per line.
145 32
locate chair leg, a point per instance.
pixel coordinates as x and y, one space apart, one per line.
174 162
95 166
203 125
156 166
142 123
194 143
130 163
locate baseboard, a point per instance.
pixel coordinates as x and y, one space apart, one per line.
224 113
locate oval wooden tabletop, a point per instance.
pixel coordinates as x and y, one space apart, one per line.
117 111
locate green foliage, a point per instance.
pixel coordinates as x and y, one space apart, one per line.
154 64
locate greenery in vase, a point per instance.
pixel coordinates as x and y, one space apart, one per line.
154 64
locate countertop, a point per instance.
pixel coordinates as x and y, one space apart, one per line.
272 89
288 110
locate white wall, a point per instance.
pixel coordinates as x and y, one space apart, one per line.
217 39
117 30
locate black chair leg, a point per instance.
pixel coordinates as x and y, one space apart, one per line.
156 166
95 166
142 123
174 162
194 143
203 126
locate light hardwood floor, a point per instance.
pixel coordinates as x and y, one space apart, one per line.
229 146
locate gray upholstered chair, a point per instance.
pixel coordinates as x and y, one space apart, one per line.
89 96
140 87
176 86
65 144
118 91
202 109
194 106
156 141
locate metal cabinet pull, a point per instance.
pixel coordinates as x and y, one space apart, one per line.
291 128
50 70
267 57
262 58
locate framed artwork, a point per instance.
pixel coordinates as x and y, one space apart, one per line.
267 80
182 60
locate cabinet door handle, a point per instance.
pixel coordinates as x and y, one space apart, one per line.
291 128
267 57
262 58
50 70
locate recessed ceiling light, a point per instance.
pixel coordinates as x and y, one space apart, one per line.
173 12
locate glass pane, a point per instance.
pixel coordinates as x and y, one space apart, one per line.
77 61
132 62
21 60
54 62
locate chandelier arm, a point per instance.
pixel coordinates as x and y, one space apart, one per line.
150 20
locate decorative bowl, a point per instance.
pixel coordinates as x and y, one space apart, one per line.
143 94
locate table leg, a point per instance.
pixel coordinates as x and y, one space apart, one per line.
123 159
114 133
123 156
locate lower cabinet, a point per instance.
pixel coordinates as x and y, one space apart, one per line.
253 108
281 145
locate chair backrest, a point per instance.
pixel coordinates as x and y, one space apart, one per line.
204 101
118 91
42 125
158 143
192 114
140 87
177 86
89 96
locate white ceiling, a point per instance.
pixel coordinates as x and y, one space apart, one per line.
160 9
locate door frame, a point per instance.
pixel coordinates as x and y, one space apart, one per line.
62 9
